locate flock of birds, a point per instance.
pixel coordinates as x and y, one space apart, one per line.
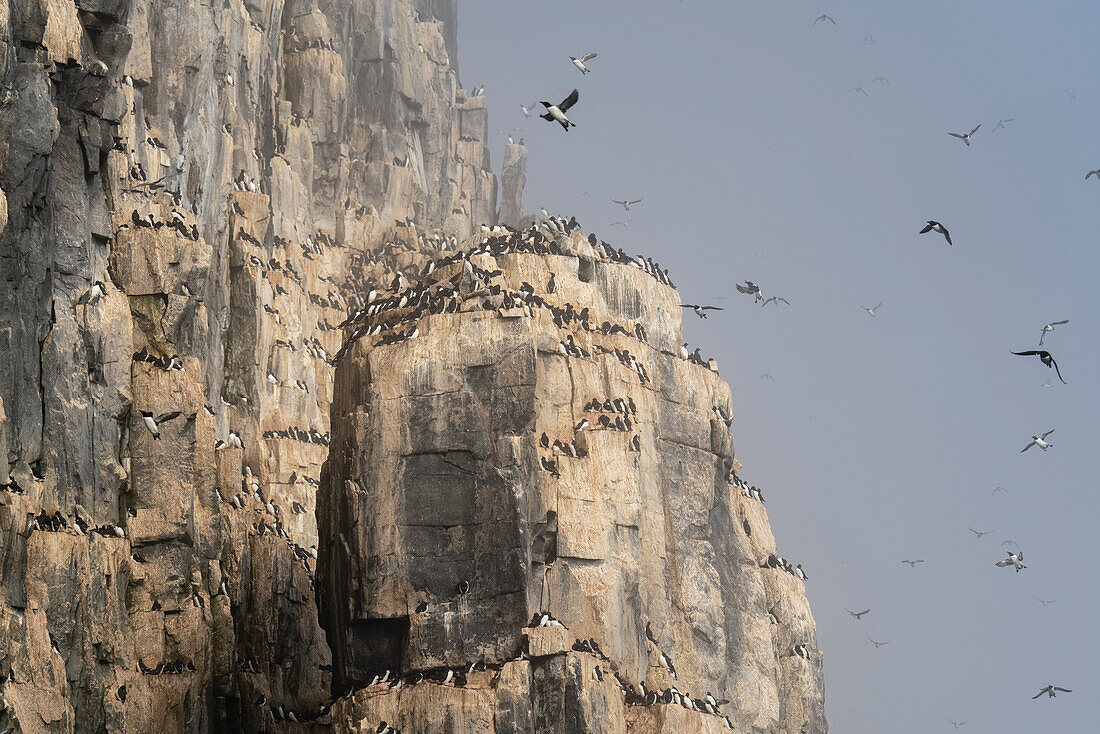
1014 558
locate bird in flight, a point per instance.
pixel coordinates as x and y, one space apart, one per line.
751 289
861 90
1009 542
1095 172
1045 358
1050 691
965 137
856 615
1044 602
1014 559
775 300
1001 123
996 490
1049 327
527 109
700 311
1039 441
556 112
620 222
881 80
579 63
879 644
913 564
872 309
934 226
979 533
766 376
626 203
820 18
956 724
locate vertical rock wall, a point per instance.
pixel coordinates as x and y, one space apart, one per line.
504 448
226 172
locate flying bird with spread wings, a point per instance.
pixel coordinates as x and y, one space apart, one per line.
701 311
556 112
965 137
1044 357
580 63
626 203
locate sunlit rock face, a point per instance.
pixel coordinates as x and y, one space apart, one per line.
193 197
575 469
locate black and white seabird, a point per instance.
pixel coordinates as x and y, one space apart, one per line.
699 310
878 644
751 289
1044 357
626 203
1050 691
802 652
857 615
1049 328
463 587
980 533
965 137
913 564
934 226
579 63
820 18
872 309
556 112
153 423
1016 560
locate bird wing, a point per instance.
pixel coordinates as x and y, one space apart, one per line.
1059 323
1058 371
929 227
957 135
589 55
712 308
1025 448
743 289
636 201
1038 694
860 614
1048 433
1027 353
166 417
1002 564
946 235
975 128
616 201
688 305
1063 690
569 101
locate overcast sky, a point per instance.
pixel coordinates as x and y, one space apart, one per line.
881 438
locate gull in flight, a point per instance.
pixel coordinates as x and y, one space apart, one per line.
821 18
527 109
965 137
626 203
579 63
979 533
1014 559
1048 328
1044 602
1095 172
1039 441
861 90
766 376
881 80
775 300
872 309
751 289
998 489
1044 357
956 724
879 644
856 615
1009 542
556 112
1050 691
1001 123
701 311
934 226
913 564
625 224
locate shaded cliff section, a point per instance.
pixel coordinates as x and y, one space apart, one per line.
489 447
207 181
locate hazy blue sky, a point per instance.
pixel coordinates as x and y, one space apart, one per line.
880 438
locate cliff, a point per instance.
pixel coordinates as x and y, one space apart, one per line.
194 197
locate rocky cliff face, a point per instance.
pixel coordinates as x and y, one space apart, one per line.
521 438
193 197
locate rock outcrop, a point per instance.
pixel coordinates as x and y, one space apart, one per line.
523 437
194 196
